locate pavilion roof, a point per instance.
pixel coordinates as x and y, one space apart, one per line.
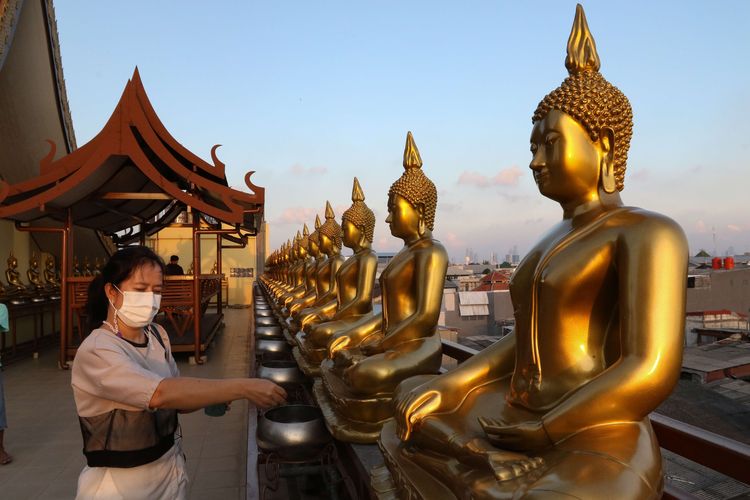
132 173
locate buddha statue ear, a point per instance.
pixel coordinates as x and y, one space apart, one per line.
607 163
421 224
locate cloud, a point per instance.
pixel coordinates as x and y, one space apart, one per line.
700 227
734 228
297 215
299 169
505 177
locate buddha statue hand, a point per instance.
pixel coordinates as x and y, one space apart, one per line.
413 406
372 344
344 358
529 435
338 344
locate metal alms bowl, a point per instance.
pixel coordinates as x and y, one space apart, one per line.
293 432
266 320
269 332
284 373
265 346
263 313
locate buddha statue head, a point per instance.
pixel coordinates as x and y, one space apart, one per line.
315 238
358 221
330 233
412 199
596 121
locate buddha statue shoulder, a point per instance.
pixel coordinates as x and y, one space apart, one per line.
13 276
353 287
32 273
560 407
358 380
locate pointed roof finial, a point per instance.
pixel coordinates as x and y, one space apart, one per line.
411 153
582 55
329 211
357 194
317 221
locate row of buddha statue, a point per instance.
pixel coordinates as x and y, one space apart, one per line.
41 284
559 407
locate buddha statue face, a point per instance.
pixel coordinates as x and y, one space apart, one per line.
312 247
353 236
12 262
405 220
326 245
567 165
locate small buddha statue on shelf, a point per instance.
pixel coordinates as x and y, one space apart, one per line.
33 275
76 267
13 277
97 267
50 274
559 408
368 360
354 286
190 271
312 272
87 267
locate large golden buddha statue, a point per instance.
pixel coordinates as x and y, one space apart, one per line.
559 408
353 290
329 243
371 358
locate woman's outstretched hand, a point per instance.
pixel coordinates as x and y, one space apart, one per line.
264 393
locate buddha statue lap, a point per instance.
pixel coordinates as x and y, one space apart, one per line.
559 408
353 292
359 377
329 243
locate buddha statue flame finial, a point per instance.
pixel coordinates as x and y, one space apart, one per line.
317 222
360 214
589 99
582 55
414 186
329 211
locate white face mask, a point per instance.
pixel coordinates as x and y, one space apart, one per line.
138 308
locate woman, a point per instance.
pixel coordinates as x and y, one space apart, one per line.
128 390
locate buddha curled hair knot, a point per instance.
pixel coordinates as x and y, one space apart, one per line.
589 98
359 213
414 186
332 230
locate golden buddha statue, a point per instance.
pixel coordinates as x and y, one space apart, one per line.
329 243
300 262
87 267
354 285
370 359
312 264
50 274
76 267
13 277
559 408
32 273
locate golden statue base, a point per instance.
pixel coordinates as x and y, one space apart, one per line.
342 428
309 369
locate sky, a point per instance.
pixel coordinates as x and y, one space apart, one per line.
311 94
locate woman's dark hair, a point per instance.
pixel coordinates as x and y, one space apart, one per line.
119 268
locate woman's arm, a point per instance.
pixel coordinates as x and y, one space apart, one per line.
187 393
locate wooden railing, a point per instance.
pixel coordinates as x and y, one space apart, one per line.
716 452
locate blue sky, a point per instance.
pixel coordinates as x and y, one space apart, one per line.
310 94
